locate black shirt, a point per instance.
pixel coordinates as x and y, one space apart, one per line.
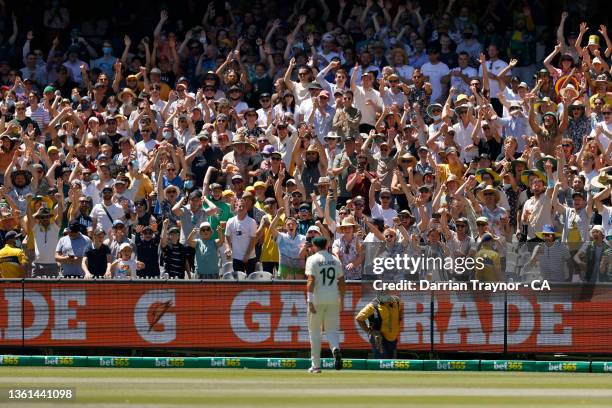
147 253
212 156
175 257
492 147
96 260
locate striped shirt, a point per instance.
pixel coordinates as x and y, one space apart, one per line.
553 260
174 259
40 116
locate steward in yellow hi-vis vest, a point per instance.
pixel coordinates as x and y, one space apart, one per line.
383 316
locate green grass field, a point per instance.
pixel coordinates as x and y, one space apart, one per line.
106 387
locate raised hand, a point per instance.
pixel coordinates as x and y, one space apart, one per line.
583 27
127 41
163 15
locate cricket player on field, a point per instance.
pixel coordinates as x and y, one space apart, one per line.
325 288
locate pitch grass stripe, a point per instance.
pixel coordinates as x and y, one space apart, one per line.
152 388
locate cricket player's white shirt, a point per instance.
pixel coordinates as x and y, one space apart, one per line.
326 270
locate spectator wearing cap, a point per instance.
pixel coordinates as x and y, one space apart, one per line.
176 257
44 225
594 258
97 260
236 161
13 261
70 251
515 125
191 214
348 249
551 255
118 236
384 209
106 212
269 250
251 126
304 217
204 156
550 132
487 137
290 244
241 236
311 164
575 218
487 205
214 193
206 248
463 131
367 99
452 165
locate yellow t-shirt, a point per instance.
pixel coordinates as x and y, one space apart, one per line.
445 170
11 259
144 188
492 264
390 318
269 249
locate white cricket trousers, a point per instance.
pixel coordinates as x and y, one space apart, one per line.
327 317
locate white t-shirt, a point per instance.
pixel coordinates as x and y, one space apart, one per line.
603 139
387 215
45 242
368 112
326 270
99 215
459 84
495 67
463 137
241 232
435 72
125 269
142 151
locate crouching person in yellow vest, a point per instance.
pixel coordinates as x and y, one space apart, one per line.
381 320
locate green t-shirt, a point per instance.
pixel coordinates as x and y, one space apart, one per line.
206 259
224 214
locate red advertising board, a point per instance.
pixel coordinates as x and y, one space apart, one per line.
273 316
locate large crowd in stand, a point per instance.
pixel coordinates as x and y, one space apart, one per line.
201 141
